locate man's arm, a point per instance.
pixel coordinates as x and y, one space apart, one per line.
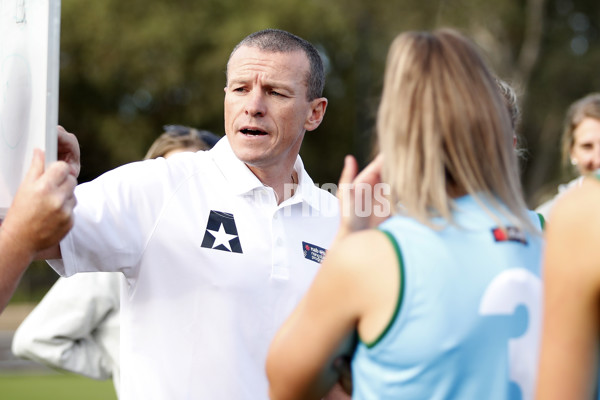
40 215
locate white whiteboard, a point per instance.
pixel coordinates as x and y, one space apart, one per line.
29 63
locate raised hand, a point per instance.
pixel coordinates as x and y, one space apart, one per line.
42 210
362 196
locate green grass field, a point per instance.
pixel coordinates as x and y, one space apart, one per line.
54 387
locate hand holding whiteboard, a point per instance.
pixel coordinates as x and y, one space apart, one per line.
29 64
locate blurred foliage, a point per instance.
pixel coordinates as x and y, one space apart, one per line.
129 67
36 281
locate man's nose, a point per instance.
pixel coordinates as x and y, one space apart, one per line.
255 105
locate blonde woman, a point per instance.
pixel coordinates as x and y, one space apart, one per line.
580 144
444 295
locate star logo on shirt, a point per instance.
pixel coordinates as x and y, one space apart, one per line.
221 233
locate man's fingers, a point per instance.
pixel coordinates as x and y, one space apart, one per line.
36 168
63 194
58 173
67 186
68 150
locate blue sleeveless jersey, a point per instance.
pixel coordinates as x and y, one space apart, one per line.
468 319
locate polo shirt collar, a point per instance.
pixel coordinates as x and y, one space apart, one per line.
306 190
243 181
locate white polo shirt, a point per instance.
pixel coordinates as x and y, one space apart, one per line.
214 267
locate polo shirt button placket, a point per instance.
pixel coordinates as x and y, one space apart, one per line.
280 269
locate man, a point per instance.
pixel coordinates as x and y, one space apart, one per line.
217 247
75 327
41 213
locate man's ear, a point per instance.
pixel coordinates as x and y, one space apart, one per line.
316 113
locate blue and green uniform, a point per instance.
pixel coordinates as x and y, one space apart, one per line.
468 316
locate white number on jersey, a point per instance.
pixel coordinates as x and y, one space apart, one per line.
507 291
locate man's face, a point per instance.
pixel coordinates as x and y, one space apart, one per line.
266 107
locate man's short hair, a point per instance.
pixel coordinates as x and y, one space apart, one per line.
280 41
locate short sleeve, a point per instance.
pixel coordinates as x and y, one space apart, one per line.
115 217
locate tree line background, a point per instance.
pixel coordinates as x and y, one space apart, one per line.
129 67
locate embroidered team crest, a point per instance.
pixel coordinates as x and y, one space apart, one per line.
221 233
313 253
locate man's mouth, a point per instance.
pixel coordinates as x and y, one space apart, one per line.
253 132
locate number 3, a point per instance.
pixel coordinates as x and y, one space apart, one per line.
507 291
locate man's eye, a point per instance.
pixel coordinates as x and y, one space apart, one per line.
274 93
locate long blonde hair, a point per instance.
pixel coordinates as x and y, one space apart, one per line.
444 129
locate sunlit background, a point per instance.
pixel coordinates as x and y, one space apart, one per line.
130 67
